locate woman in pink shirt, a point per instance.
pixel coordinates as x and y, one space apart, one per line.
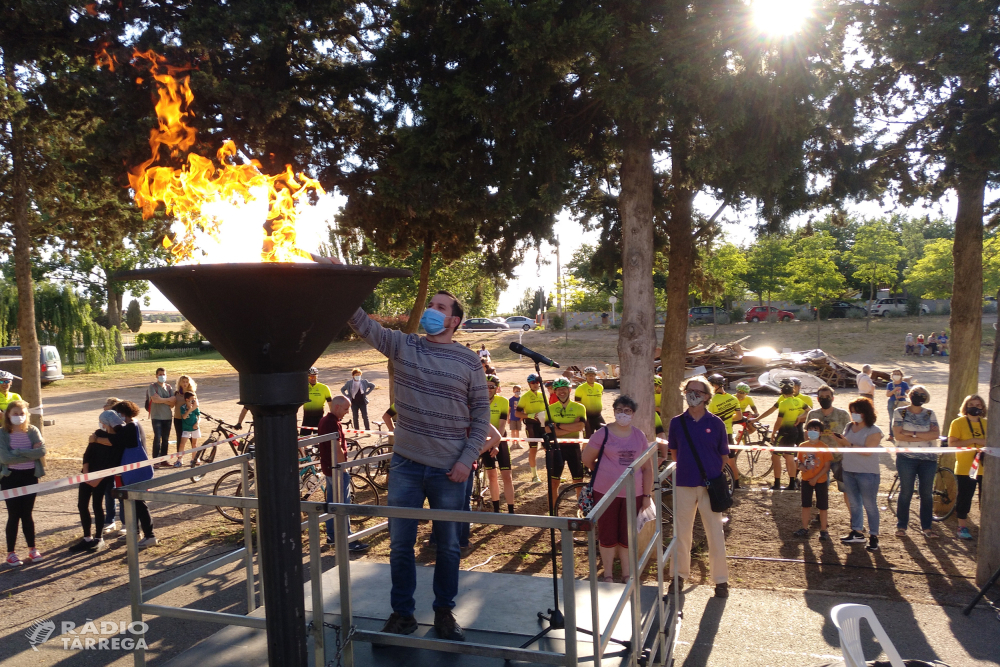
21 464
622 444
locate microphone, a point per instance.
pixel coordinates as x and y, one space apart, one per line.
534 356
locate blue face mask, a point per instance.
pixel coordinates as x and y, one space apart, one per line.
813 435
432 321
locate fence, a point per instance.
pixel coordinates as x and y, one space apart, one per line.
132 354
661 649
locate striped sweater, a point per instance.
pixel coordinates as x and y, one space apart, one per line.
442 406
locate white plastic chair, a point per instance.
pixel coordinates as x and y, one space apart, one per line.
847 619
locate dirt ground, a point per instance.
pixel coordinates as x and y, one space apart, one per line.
763 553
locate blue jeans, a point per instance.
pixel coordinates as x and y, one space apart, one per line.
161 436
329 499
892 408
409 484
862 494
910 470
109 506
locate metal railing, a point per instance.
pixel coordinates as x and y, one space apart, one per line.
661 648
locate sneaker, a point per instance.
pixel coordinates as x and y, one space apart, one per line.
111 528
872 543
122 533
722 590
358 547
83 545
776 486
534 477
964 534
801 532
824 536
150 541
98 545
34 555
447 627
178 464
853 537
13 560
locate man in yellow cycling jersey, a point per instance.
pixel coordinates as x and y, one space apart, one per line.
727 408
6 395
498 417
657 395
312 410
570 419
589 393
792 411
797 393
531 411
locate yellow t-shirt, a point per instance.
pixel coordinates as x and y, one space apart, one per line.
590 396
531 402
569 413
498 410
724 406
659 423
960 430
659 397
806 399
319 394
790 408
7 399
746 402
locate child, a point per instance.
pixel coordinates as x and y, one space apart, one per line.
190 431
815 468
909 343
921 348
513 423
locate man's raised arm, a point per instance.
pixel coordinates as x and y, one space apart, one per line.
382 339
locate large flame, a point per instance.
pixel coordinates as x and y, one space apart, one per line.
198 183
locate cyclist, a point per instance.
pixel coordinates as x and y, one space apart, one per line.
589 393
570 419
531 410
746 402
727 408
498 418
791 414
797 393
657 396
312 410
6 395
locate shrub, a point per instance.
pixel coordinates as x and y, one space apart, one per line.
396 322
944 309
737 315
558 323
912 305
856 315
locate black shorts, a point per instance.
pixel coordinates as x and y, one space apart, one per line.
533 429
572 455
788 436
503 457
732 452
595 420
822 495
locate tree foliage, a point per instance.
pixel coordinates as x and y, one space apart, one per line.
133 316
767 266
933 275
876 254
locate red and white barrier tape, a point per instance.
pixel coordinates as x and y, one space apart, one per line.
49 487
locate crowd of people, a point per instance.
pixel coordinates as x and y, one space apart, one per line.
936 344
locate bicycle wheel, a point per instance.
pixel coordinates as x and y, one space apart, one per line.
567 505
479 488
730 480
945 494
231 484
204 456
893 495
378 472
363 492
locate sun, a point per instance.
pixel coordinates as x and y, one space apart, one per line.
781 17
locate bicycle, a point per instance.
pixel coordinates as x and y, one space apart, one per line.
944 494
749 464
221 432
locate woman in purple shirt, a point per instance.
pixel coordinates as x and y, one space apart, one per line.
623 444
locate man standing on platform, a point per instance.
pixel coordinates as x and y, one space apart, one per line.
357 391
312 411
443 417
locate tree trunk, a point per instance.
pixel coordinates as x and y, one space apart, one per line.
871 303
636 336
115 315
967 293
988 552
31 385
715 323
680 261
425 276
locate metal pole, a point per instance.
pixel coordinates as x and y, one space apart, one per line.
248 538
595 607
633 566
341 535
569 596
316 584
134 577
661 621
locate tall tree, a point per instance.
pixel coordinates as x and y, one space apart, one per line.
931 71
722 270
767 267
933 275
813 275
876 254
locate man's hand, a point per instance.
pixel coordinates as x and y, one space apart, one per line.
459 472
92 439
494 451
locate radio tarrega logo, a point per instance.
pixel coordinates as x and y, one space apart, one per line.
40 632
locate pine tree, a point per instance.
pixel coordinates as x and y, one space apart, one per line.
133 316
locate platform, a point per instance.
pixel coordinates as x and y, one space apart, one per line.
494 608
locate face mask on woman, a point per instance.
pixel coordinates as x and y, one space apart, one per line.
432 321
17 420
623 419
856 417
918 399
813 435
973 411
356 377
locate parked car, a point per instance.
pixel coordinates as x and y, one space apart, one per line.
521 322
895 306
50 363
483 323
704 314
844 309
759 314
